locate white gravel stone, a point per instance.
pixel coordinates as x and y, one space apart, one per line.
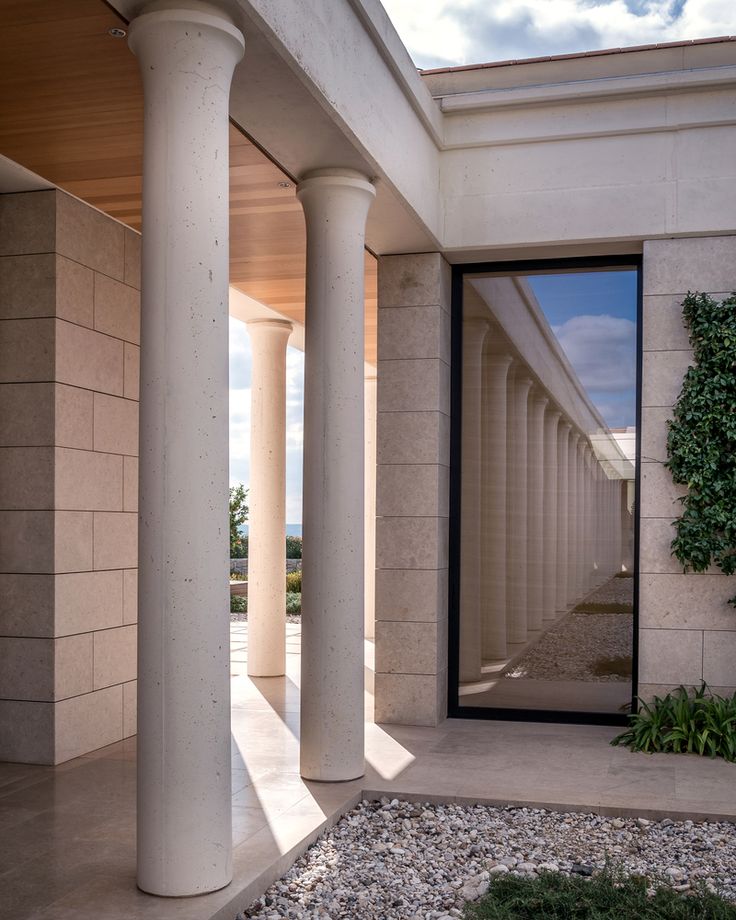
395 860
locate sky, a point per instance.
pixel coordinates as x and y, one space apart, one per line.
441 33
593 315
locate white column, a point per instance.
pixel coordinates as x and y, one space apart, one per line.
589 543
336 203
535 510
550 550
474 333
371 418
600 563
582 547
572 518
186 60
267 499
493 505
563 441
517 508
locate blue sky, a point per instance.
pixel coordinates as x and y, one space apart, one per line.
593 315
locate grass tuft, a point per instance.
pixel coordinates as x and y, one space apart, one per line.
605 896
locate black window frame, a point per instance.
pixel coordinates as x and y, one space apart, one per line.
454 709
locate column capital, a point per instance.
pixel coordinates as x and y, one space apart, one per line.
553 413
523 383
496 359
157 16
269 325
332 178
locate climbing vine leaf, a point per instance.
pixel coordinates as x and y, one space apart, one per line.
701 442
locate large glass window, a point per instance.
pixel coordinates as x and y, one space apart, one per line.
547 447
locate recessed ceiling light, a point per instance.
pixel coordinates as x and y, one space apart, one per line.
285 184
117 33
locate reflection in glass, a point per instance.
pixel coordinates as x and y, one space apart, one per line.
547 490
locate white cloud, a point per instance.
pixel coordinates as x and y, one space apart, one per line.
445 32
602 349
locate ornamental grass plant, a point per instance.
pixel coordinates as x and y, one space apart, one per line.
684 722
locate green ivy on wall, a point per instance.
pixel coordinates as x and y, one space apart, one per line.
701 444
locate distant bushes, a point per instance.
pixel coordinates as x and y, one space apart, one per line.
293 547
239 549
293 602
294 582
238 603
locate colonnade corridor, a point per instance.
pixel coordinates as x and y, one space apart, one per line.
548 447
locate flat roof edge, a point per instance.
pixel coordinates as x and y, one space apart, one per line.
577 55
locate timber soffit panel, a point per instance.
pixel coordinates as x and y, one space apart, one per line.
71 110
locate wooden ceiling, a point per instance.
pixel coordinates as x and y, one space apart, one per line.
71 110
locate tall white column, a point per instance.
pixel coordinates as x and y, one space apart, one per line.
186 59
550 549
517 509
267 499
371 419
582 548
336 203
572 518
588 544
600 564
535 510
493 505
563 441
474 333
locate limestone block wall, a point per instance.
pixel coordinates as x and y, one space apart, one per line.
413 455
69 358
687 631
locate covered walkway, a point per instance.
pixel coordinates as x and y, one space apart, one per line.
67 846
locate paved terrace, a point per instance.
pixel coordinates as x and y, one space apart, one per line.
67 834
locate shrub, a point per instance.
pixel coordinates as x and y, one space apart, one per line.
608 895
293 547
238 603
294 582
701 444
293 602
238 517
700 723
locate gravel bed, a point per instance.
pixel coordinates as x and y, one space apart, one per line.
571 648
616 591
396 860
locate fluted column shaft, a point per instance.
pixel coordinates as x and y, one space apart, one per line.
517 509
535 510
550 549
474 333
493 505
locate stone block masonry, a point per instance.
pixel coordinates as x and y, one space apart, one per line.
69 358
412 506
687 630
